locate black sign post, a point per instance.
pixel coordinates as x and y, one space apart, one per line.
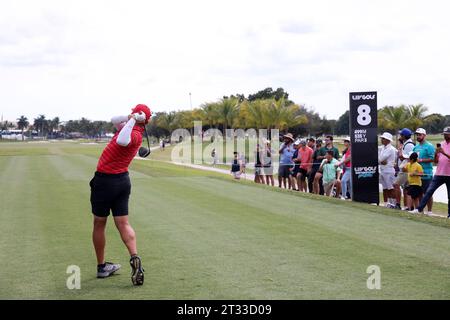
364 139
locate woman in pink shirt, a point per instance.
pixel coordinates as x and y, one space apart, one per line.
347 166
442 159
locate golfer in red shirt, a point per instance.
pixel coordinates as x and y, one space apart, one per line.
111 187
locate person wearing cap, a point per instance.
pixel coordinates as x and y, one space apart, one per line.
442 176
414 171
386 160
426 152
284 170
346 164
405 149
111 188
306 154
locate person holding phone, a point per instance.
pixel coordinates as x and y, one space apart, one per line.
442 159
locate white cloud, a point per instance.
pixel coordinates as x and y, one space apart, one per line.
99 58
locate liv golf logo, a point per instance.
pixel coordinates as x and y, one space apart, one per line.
365 172
364 139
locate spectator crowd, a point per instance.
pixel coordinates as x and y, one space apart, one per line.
316 166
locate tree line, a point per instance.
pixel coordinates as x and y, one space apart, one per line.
54 128
265 109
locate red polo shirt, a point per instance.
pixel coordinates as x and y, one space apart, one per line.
115 158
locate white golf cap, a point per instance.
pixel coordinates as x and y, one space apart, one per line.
347 139
421 131
297 142
387 136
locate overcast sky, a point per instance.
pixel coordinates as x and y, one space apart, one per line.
95 59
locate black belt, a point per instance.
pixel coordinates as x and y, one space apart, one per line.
111 175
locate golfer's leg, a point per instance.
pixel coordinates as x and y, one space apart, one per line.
126 233
98 238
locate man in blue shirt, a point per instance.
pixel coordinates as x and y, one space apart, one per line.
425 150
286 164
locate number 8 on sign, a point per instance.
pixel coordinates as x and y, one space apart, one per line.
364 117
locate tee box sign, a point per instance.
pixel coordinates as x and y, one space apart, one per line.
364 150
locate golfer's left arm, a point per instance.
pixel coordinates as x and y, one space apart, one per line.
124 137
119 121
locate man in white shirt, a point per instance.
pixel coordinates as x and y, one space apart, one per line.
387 155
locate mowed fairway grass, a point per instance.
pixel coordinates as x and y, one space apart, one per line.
203 236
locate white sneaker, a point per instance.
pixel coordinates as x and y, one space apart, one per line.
415 211
430 213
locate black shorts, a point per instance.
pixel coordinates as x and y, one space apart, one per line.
110 192
415 191
284 170
295 171
303 174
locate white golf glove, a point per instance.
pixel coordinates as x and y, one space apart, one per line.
140 117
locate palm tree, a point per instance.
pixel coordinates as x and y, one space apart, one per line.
255 114
393 118
227 112
54 124
282 116
209 113
416 115
168 121
40 123
22 124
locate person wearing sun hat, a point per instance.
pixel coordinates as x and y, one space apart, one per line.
286 152
386 160
425 151
442 176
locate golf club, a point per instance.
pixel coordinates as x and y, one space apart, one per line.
145 152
